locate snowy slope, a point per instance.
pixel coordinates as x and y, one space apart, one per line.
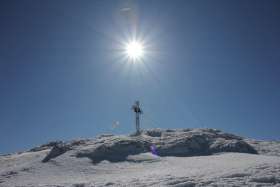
142 169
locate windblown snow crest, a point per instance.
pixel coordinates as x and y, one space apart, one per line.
180 143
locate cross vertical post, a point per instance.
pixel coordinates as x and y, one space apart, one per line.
136 108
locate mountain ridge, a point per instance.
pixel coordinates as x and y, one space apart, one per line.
155 157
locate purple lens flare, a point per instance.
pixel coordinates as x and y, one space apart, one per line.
154 150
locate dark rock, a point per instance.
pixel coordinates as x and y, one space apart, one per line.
117 150
184 146
153 132
57 150
45 146
234 145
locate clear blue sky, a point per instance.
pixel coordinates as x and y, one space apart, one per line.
210 64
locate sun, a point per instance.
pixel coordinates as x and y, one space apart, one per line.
134 50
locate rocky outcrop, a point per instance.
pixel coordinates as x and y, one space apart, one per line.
116 150
170 142
45 146
57 150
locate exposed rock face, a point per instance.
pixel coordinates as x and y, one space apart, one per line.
184 142
58 149
116 150
46 146
221 145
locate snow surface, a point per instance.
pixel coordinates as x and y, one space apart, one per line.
144 169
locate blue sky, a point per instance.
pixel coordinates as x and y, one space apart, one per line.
208 64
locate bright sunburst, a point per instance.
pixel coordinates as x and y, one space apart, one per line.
134 50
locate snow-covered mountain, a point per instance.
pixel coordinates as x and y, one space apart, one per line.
181 158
